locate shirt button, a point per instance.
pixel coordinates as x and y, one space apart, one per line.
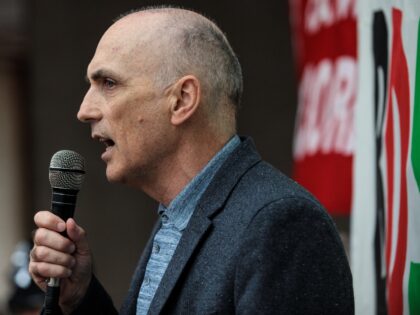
164 218
146 280
156 248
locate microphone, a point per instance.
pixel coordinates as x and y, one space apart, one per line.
66 174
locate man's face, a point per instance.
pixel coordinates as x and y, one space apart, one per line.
127 112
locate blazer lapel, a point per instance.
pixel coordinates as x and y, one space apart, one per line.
213 200
129 306
189 241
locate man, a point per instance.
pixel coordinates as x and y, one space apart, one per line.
235 236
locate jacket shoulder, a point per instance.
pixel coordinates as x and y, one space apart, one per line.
263 184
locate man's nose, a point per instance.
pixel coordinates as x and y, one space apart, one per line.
89 110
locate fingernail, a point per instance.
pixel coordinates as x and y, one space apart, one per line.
61 226
72 248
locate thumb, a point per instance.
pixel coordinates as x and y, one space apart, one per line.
78 236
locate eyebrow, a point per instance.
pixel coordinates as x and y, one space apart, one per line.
101 74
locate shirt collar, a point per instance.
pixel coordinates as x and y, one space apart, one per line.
181 208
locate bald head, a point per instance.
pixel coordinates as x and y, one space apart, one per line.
164 86
182 42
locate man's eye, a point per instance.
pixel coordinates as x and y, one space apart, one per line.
109 83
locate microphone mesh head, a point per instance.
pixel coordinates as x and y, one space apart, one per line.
67 170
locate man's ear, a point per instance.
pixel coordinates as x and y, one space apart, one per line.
186 98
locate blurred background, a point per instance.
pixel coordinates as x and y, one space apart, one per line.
329 86
45 47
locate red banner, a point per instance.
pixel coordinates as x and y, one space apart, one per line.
324 34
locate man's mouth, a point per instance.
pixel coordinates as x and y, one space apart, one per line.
107 142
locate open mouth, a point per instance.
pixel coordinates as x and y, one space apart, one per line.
107 142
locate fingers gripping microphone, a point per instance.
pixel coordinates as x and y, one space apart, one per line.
66 175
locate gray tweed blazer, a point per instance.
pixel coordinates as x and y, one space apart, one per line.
258 243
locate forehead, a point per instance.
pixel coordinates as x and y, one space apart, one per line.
125 47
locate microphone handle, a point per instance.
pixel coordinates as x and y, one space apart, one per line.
63 202
51 306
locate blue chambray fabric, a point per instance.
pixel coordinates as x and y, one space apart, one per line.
175 219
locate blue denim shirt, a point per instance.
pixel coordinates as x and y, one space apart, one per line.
175 219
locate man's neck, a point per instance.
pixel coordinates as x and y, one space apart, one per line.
179 170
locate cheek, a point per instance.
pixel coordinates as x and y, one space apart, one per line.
144 129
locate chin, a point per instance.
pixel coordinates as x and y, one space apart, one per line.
114 176
120 176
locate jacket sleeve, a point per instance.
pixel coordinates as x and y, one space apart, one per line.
293 262
96 301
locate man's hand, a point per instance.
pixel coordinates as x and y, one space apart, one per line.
55 256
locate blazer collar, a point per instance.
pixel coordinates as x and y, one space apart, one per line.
212 201
130 302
